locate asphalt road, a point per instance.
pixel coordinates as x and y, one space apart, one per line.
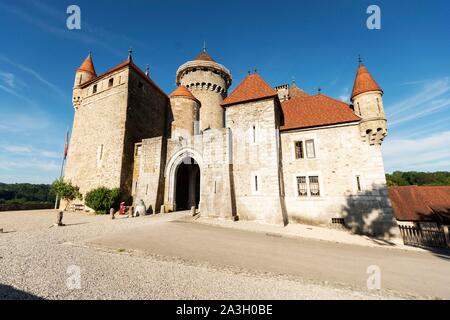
422 274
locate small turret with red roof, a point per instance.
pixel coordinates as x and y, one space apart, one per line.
367 99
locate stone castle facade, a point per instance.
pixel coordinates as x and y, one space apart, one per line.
275 155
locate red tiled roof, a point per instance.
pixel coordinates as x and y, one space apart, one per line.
253 87
364 82
413 203
182 91
127 63
88 65
204 56
315 111
296 92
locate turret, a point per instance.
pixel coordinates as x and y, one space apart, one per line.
185 112
84 73
208 81
368 104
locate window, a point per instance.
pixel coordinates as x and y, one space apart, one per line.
94 89
141 85
255 183
314 188
358 183
302 187
358 109
100 153
378 105
81 78
310 149
299 150
254 134
110 82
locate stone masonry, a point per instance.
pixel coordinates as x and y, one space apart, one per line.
257 154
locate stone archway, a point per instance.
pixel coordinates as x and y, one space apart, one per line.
187 163
187 185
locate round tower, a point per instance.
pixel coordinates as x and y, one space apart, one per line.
84 73
185 112
209 82
368 104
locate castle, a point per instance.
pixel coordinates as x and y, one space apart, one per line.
275 155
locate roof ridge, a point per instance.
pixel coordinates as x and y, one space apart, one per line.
128 62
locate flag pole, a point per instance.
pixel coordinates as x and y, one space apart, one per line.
63 162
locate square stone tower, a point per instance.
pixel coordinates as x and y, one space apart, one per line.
113 112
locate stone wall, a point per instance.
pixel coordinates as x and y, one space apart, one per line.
146 118
113 114
97 139
149 182
210 89
185 114
256 162
217 194
340 158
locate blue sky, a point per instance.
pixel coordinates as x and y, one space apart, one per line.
317 42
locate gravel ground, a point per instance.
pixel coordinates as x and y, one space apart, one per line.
34 262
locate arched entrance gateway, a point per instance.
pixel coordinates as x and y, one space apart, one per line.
187 185
183 174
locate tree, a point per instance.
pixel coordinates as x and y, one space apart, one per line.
66 191
102 199
398 178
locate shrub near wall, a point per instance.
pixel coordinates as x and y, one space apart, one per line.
102 199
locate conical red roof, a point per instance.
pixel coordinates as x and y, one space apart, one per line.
253 87
364 82
182 91
88 65
204 56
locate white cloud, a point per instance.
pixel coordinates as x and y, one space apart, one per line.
345 95
8 78
34 164
30 151
428 92
23 122
34 74
429 153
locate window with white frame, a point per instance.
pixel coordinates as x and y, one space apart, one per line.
302 187
310 149
314 187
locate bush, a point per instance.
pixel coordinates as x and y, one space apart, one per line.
66 191
102 199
